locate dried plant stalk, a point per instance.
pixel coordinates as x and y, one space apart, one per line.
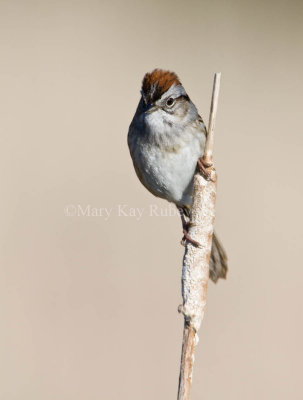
195 272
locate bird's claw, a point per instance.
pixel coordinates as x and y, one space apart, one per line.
202 167
189 239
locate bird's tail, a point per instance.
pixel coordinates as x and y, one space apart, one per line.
218 261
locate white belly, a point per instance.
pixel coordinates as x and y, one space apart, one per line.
170 175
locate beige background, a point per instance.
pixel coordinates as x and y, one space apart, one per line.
88 305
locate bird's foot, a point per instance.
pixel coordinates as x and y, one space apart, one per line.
186 236
185 226
202 167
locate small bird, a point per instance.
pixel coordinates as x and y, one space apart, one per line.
166 139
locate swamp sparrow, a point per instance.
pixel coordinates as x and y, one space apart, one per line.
166 140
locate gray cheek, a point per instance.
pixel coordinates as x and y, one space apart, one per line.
179 112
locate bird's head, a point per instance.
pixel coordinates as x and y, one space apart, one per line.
164 101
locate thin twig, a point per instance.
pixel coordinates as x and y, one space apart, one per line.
195 272
209 145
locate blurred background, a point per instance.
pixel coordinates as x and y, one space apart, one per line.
88 299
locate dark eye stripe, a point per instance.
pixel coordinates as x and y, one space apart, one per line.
184 97
181 97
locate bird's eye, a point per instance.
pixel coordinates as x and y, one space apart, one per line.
170 102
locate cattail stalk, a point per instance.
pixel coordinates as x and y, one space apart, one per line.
195 271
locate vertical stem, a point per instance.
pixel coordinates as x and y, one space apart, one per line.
195 271
187 359
209 145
